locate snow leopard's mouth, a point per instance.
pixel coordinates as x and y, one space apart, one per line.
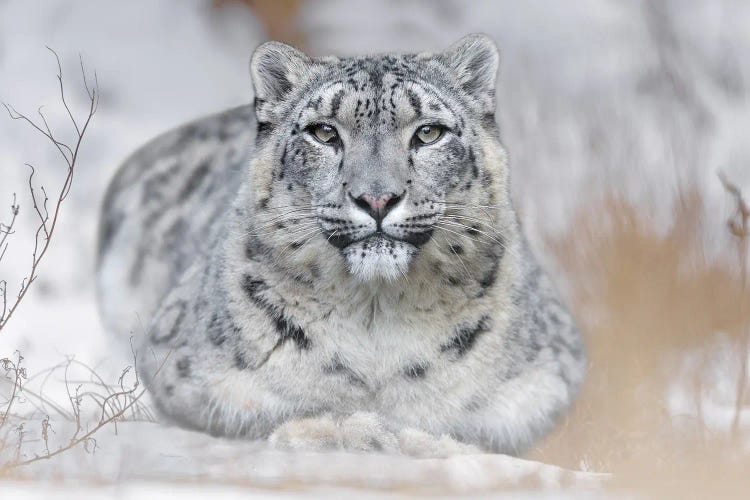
416 239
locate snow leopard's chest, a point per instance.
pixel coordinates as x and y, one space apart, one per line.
351 362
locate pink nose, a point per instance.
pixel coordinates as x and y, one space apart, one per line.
377 206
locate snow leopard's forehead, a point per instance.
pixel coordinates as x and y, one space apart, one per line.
376 91
380 95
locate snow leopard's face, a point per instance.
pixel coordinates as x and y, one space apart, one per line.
370 153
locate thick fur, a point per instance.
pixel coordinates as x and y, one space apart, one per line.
274 305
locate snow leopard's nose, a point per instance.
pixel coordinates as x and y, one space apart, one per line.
378 205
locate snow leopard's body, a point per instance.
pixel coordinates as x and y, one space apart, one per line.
276 305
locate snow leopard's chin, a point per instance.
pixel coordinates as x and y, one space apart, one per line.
379 257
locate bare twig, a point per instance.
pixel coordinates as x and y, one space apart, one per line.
17 373
47 220
7 230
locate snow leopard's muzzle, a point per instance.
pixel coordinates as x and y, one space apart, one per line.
385 224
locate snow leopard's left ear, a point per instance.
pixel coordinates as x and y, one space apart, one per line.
276 68
474 60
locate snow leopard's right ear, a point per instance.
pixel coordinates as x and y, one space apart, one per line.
474 60
275 69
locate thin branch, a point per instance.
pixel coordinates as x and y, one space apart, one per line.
62 91
47 220
7 230
19 374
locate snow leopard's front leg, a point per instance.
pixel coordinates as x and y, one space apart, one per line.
363 431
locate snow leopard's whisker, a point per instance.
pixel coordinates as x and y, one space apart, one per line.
460 259
450 247
309 207
290 214
305 241
502 244
292 208
469 228
289 220
287 217
497 230
332 235
467 210
467 236
309 235
465 205
300 230
470 218
267 229
502 237
488 228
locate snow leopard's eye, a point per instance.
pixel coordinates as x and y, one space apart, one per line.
428 134
324 133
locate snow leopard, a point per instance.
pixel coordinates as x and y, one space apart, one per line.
339 265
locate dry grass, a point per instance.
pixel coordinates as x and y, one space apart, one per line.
35 427
647 300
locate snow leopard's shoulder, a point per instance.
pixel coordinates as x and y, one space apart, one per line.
161 200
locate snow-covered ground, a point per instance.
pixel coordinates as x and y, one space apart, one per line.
595 96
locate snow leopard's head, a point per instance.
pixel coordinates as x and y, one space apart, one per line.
374 157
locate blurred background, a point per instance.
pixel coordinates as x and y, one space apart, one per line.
618 116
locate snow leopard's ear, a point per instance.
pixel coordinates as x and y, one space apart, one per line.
275 69
474 60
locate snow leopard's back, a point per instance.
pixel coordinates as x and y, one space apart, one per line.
161 210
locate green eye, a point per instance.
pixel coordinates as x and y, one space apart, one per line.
427 134
324 133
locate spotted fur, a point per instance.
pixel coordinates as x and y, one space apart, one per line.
274 301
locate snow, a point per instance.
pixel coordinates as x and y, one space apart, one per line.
586 104
151 452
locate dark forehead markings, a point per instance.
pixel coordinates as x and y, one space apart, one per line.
415 101
360 73
431 92
314 103
336 102
393 104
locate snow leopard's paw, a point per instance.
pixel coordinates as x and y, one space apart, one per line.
417 443
308 434
358 432
364 431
